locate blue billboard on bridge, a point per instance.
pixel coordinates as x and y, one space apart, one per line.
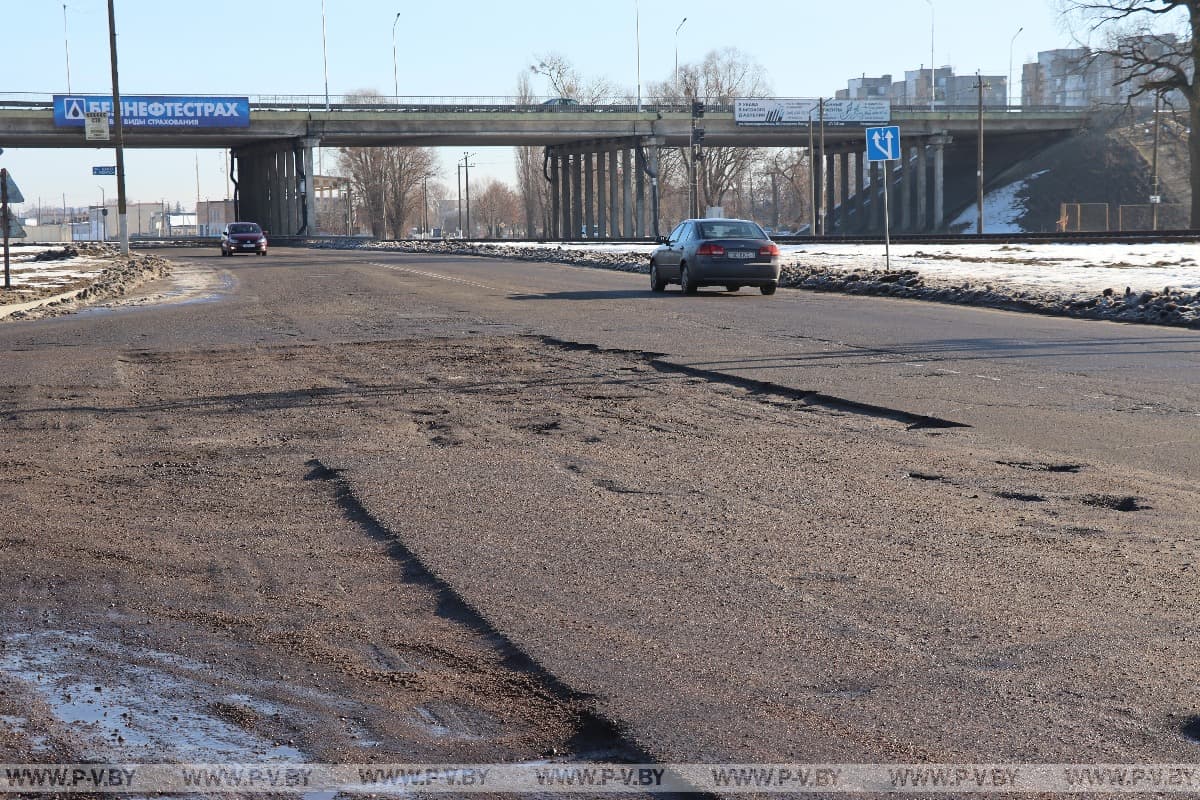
151 111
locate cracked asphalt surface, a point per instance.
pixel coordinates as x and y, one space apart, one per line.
364 506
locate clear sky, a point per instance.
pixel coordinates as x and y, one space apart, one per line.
274 47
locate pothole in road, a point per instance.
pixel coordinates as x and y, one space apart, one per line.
1113 502
1024 497
1042 466
115 709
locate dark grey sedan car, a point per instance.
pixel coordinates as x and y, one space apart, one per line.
716 252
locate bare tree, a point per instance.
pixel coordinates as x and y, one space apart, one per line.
498 208
1155 60
532 186
565 80
721 77
387 181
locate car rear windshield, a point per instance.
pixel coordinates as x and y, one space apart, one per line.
248 227
731 230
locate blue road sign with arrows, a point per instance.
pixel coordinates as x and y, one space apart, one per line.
883 144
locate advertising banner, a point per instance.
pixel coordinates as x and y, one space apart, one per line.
800 111
70 111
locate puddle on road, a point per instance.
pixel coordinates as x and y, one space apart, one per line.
153 714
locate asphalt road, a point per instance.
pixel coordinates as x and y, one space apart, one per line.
1107 392
726 573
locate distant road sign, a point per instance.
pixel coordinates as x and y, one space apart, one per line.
883 144
104 170
95 126
14 194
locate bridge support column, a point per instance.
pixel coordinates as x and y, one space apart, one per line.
601 194
844 194
576 196
627 193
614 198
589 196
860 192
651 147
552 226
922 189
905 186
640 210
939 181
564 161
830 168
308 203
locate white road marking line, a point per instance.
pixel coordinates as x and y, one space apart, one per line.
439 277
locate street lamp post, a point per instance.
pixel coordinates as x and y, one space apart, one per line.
395 73
324 55
637 40
1010 62
67 47
103 214
932 61
680 25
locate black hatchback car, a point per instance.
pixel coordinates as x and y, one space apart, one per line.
716 252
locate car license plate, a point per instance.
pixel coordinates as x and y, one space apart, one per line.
742 254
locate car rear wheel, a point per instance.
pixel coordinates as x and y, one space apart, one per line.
733 287
685 281
768 289
657 284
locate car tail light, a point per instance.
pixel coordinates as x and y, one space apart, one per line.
769 250
710 250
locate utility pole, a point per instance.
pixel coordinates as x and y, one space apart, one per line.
460 227
118 133
466 166
980 85
1155 197
697 156
824 179
812 174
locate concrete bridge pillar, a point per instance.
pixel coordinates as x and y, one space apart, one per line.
904 188
844 193
640 198
576 196
627 160
939 180
589 196
565 185
554 223
860 192
923 188
601 194
614 200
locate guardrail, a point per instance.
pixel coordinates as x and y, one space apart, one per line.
511 104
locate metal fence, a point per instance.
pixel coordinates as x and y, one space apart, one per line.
1099 217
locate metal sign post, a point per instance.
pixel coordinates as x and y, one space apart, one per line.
4 224
883 144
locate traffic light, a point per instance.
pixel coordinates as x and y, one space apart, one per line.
697 109
697 136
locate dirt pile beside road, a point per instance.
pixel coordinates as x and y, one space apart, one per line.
121 275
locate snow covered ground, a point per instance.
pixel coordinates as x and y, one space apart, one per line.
32 279
1064 269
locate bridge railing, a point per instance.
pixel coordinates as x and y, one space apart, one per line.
510 104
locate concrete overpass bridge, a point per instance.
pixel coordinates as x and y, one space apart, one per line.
600 160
